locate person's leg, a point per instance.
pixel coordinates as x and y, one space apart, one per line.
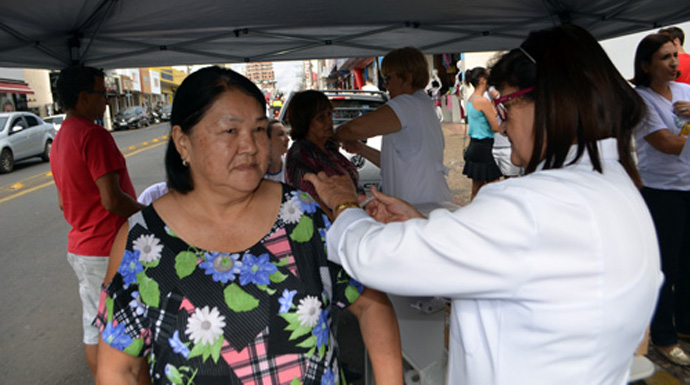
90 272
476 185
91 353
663 208
682 288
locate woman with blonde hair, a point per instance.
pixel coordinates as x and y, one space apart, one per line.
411 156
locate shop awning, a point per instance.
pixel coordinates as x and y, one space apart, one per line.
15 88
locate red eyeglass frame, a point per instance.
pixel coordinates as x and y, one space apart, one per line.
498 102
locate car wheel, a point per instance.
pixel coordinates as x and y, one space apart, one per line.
46 151
6 161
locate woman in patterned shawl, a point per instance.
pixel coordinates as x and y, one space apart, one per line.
310 115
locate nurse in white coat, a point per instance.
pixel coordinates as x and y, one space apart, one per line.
553 276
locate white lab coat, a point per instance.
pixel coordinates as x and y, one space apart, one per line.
553 276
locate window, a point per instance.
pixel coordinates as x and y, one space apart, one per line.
18 122
31 120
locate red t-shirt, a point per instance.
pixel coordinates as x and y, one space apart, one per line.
684 68
83 152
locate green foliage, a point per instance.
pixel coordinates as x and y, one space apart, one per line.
303 231
185 263
148 290
239 300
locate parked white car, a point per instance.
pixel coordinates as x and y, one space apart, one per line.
56 120
23 135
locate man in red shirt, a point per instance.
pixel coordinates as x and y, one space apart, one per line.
95 192
676 34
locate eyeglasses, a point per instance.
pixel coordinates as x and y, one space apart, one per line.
500 102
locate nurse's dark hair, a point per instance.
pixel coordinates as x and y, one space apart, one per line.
472 76
579 97
644 53
192 101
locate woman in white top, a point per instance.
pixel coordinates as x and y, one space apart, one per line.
411 156
664 161
553 276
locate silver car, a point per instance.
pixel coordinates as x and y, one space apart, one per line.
23 135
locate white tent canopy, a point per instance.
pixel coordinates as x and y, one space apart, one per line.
140 33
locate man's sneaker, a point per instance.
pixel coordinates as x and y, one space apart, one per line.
674 354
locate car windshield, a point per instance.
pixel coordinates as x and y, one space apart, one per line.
348 109
166 108
128 111
55 119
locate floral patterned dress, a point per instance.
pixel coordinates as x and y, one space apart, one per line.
258 316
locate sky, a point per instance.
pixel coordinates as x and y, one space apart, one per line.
287 74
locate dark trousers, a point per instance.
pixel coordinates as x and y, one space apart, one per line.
671 214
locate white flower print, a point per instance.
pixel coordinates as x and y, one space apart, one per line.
291 212
150 248
308 311
205 326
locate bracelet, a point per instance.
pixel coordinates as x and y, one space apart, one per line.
337 209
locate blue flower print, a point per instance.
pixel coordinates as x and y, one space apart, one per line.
286 300
305 200
222 266
328 377
256 270
321 331
177 345
357 285
323 230
135 304
115 336
130 267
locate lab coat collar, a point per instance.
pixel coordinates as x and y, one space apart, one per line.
608 150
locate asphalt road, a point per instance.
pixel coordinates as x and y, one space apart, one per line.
40 321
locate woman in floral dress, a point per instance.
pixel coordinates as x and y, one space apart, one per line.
225 280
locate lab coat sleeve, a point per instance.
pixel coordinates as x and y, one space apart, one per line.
479 251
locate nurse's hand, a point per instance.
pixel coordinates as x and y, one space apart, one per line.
385 208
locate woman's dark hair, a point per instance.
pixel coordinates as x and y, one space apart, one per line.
472 76
72 81
269 128
674 33
193 99
644 53
303 108
579 96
